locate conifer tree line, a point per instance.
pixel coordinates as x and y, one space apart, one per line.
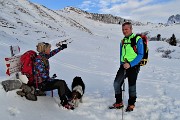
172 40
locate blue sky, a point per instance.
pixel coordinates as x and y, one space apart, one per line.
58 4
140 10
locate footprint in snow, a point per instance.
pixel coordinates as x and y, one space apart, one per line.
13 111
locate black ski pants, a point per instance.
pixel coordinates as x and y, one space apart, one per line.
60 85
131 74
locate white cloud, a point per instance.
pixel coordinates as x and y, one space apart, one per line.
157 12
87 5
140 10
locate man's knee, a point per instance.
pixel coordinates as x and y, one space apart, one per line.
132 90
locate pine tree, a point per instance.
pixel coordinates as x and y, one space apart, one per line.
158 37
173 40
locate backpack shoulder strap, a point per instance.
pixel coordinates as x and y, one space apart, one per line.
122 42
134 41
38 56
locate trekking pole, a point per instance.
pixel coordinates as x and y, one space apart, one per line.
123 90
53 77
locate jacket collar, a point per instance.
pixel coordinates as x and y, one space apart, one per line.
130 36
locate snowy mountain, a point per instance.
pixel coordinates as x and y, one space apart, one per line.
106 18
174 19
92 55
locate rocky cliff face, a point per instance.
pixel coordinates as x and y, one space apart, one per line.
106 18
174 19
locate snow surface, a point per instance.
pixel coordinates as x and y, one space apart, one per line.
95 58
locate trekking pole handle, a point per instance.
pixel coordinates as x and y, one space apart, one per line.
54 76
125 60
66 41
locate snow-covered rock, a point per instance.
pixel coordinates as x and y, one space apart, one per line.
174 19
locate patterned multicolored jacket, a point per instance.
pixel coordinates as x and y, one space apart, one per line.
41 66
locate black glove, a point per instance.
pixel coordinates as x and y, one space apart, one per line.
63 46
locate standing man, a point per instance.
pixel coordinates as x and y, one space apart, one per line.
129 67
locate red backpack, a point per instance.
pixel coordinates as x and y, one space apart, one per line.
27 61
146 50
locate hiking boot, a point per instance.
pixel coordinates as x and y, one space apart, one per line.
65 103
117 106
68 106
130 108
21 93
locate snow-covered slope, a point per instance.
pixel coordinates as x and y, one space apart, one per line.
93 55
